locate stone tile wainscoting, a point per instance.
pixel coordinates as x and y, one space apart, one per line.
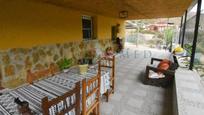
14 63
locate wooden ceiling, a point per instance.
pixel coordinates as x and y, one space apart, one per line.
137 9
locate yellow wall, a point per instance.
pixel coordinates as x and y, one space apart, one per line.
26 24
105 24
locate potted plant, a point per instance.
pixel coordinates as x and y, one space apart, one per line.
64 64
86 59
83 66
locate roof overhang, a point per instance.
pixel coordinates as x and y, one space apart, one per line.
137 9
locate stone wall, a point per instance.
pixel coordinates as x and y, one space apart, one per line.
14 63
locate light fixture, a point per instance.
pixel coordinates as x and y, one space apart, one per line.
123 14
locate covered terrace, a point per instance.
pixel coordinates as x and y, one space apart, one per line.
42 39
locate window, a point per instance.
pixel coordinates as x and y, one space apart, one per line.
87 27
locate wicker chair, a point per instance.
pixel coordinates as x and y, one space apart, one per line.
169 74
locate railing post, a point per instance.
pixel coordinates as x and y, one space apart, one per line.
180 30
184 29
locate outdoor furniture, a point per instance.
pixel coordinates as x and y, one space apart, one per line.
109 63
91 95
68 103
51 88
29 93
169 73
53 85
41 101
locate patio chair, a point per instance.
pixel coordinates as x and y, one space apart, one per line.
91 95
67 104
169 73
109 63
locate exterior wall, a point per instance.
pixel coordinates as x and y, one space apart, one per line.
26 24
104 27
15 62
34 35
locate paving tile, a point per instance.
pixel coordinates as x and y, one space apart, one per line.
137 103
193 96
158 97
194 111
116 96
128 82
107 108
125 112
189 85
123 88
141 93
131 96
157 109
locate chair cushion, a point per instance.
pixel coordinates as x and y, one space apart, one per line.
164 64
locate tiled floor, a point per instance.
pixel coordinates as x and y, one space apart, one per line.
131 97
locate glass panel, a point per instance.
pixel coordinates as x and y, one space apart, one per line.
181 35
182 24
86 34
183 19
192 12
86 23
202 6
190 27
199 55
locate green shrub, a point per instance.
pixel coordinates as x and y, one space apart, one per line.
188 48
64 63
